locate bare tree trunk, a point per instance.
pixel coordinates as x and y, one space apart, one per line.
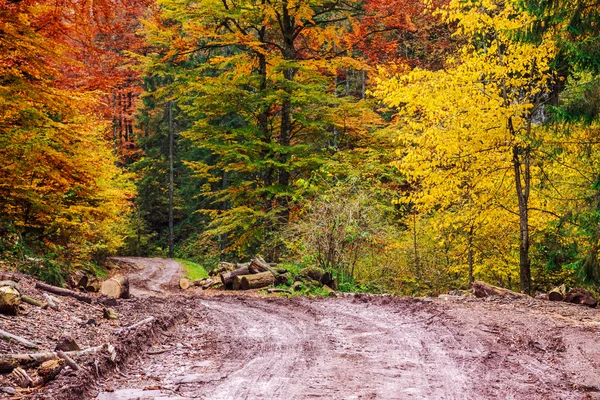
171 179
470 256
522 167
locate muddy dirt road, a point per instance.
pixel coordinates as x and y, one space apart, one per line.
237 347
151 276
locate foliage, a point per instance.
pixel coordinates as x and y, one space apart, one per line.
192 270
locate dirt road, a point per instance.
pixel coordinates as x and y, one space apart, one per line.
151 276
238 347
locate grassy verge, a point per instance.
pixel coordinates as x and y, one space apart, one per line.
192 270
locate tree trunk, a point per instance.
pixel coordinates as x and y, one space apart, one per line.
258 264
257 280
64 292
171 179
482 289
8 362
227 278
117 287
10 298
557 294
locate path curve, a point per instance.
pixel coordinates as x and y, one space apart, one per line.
151 276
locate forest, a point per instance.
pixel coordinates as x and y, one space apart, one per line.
406 146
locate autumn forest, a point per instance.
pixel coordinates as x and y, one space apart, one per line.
407 146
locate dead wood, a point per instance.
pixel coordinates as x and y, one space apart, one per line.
581 296
109 313
33 302
22 378
277 290
557 294
22 341
237 282
51 302
64 292
68 360
258 264
227 277
66 343
49 370
9 362
482 289
117 287
256 281
10 298
184 283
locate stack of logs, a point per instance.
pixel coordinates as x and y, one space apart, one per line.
252 275
575 295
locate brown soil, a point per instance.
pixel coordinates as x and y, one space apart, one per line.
358 347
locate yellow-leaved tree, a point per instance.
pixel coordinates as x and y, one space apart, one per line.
469 134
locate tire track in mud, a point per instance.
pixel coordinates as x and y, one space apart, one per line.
254 348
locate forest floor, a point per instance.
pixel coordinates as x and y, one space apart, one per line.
223 345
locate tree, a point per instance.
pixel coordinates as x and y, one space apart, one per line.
471 129
257 80
58 182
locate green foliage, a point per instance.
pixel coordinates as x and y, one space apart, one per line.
192 270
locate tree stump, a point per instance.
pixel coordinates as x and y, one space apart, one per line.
117 287
10 298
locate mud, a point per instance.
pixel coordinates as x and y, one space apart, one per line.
237 347
151 276
250 346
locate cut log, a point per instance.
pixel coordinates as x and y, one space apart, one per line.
10 298
258 265
117 287
557 294
51 302
11 284
78 280
311 273
581 296
4 276
282 279
49 370
256 281
482 289
93 285
237 282
184 283
64 292
22 378
18 339
9 362
68 360
227 277
33 302
109 313
277 290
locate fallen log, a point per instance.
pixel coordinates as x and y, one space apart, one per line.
10 298
64 292
184 283
68 360
557 294
49 370
258 265
93 285
237 282
117 287
33 302
277 290
18 339
78 280
227 277
256 281
51 302
9 362
482 289
581 296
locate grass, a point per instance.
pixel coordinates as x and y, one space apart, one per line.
192 270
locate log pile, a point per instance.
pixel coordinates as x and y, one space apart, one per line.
575 296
